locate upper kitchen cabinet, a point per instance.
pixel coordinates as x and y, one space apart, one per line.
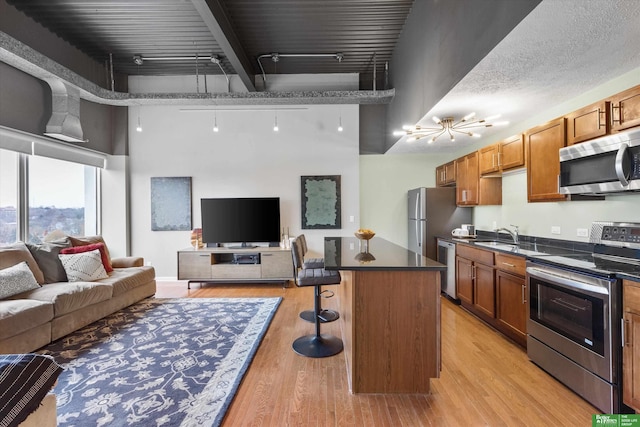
446 175
625 109
543 162
471 189
502 156
589 122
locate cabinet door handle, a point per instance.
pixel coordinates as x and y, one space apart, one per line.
524 294
499 159
509 265
493 160
473 272
600 121
613 113
626 337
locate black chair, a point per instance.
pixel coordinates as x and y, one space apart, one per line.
326 316
316 345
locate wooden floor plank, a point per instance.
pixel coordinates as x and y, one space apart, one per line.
486 379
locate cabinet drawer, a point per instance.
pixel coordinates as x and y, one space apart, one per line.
475 254
511 264
631 296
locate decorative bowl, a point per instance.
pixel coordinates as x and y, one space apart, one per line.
364 234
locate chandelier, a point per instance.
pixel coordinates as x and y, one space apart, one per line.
448 126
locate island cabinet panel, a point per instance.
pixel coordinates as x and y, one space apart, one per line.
631 345
588 122
388 320
625 109
543 144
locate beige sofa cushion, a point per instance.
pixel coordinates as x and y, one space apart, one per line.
20 315
67 297
125 279
15 254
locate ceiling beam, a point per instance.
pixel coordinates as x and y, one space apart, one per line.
218 23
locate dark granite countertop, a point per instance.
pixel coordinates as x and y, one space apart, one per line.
348 253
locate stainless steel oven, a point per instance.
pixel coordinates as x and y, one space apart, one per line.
573 331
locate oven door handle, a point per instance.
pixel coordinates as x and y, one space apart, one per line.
566 282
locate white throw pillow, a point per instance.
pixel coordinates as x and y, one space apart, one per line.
83 267
16 279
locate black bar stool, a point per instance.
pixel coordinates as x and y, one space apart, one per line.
326 316
316 345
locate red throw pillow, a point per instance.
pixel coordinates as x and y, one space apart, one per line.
88 248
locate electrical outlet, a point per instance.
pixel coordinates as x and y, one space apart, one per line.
555 229
582 232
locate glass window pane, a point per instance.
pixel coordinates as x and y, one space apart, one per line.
62 199
8 197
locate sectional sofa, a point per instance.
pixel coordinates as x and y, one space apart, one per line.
50 290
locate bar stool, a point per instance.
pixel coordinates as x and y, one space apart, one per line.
316 345
326 316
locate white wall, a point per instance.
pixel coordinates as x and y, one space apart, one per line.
384 181
245 159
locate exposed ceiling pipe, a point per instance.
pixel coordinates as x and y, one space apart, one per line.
275 57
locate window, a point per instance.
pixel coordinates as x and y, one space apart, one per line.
62 199
8 197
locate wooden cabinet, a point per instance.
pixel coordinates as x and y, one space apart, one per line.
631 345
543 161
489 159
224 264
511 297
446 175
625 109
502 156
511 153
467 181
471 189
475 284
589 122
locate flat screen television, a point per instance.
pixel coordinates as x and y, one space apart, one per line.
240 220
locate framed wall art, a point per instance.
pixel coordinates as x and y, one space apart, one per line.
171 204
320 196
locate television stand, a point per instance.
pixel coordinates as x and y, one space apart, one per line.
228 265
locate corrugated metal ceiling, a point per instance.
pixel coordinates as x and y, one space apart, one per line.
161 28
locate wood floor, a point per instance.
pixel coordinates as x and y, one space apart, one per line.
486 380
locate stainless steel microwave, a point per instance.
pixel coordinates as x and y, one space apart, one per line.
606 165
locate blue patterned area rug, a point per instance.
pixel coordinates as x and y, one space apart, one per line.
161 362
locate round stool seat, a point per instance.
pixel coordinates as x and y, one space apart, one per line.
326 316
318 346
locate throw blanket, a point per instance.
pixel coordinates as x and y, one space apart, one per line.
25 379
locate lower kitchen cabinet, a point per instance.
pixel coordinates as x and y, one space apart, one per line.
511 296
491 285
631 348
511 306
475 284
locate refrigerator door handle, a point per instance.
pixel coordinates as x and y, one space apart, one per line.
417 206
418 233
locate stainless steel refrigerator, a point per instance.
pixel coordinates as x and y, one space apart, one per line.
432 213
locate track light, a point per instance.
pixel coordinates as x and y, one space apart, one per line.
275 123
340 128
139 127
215 122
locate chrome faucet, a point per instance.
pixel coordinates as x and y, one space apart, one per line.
514 234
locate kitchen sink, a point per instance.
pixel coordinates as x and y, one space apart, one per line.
499 245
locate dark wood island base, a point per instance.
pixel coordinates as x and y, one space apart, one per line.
390 316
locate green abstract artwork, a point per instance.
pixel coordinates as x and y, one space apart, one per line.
320 202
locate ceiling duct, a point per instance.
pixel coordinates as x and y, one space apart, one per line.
64 123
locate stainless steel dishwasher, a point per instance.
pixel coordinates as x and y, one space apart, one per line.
447 256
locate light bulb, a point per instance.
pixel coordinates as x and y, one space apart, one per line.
215 128
468 116
139 127
340 129
399 133
275 123
436 119
276 128
215 123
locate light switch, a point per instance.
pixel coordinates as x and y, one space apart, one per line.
352 218
555 229
583 232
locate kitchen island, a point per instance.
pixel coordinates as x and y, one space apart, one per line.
389 303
